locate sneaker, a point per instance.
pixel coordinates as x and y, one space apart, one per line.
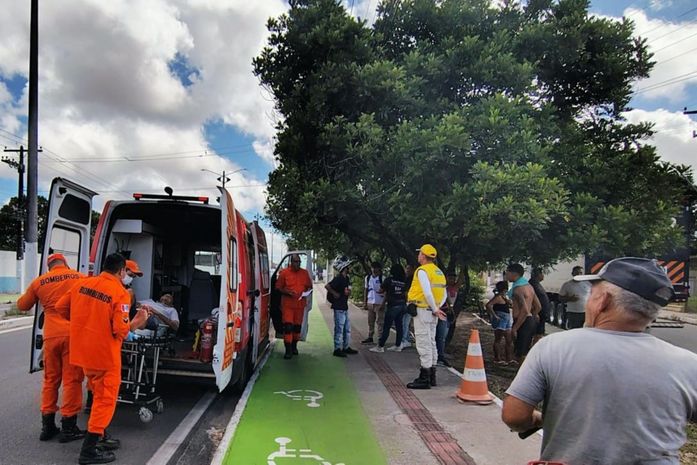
368 340
394 349
378 349
406 344
339 353
443 363
350 351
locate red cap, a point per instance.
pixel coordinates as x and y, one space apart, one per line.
55 256
133 267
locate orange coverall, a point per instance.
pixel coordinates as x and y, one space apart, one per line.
48 289
98 309
292 308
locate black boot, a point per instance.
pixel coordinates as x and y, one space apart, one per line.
106 442
90 453
423 381
69 430
433 376
88 402
289 351
48 427
294 346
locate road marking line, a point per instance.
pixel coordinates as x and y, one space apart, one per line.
171 444
11 330
231 427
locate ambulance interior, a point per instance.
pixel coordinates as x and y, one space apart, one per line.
178 248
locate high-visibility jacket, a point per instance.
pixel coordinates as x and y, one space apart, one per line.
47 289
437 279
98 309
296 281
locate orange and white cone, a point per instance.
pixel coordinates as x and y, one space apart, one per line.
473 387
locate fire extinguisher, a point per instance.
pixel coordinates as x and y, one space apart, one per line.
206 341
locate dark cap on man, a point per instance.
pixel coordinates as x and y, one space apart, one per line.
640 276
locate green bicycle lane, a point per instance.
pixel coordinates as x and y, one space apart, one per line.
305 411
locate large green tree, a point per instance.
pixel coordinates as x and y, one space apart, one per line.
496 133
10 215
9 222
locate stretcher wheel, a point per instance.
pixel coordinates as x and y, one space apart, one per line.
159 406
145 414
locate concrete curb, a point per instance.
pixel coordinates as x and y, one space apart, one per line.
16 322
675 316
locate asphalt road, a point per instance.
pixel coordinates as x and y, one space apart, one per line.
21 419
685 337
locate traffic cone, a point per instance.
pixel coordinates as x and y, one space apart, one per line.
473 387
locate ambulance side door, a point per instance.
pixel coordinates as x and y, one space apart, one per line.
305 263
67 232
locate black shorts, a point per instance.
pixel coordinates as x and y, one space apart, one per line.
523 339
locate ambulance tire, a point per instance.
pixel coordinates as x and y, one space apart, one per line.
246 373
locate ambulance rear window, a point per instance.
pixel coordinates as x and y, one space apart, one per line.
75 209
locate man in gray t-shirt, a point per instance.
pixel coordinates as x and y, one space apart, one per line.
627 396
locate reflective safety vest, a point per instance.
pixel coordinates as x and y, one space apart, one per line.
437 279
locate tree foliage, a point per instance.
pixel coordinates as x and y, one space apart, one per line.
495 133
9 223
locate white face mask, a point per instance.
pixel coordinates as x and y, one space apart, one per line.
126 280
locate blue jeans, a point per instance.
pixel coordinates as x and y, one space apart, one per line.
342 329
406 321
393 315
441 333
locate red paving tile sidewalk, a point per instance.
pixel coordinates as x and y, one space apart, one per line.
428 426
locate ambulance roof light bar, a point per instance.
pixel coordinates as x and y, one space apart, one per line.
169 196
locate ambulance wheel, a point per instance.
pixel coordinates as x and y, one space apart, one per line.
159 406
145 414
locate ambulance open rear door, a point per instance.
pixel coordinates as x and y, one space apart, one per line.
224 349
68 233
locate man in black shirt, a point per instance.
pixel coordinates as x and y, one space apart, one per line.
396 296
536 278
338 292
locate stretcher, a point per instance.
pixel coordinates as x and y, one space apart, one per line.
140 359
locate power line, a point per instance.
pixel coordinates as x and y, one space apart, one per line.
667 82
675 43
662 62
665 23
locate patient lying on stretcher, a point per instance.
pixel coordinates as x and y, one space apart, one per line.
160 314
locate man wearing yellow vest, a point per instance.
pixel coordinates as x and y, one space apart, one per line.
427 294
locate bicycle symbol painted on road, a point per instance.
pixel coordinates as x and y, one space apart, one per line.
297 394
285 453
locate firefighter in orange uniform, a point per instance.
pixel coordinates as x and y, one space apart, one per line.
98 310
132 272
292 282
47 289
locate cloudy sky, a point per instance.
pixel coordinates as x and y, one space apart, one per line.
138 95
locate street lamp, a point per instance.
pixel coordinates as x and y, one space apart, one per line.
223 177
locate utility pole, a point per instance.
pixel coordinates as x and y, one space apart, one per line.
31 234
691 112
20 197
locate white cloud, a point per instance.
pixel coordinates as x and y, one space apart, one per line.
658 5
106 90
674 139
673 45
